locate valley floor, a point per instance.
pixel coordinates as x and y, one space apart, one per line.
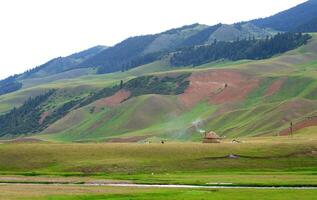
40 170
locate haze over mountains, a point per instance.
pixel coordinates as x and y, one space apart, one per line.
155 86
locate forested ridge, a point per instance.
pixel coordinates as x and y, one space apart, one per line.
308 27
25 119
121 55
240 49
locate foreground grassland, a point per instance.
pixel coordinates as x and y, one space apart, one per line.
259 162
50 192
51 171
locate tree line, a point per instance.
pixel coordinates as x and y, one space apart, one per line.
25 119
240 49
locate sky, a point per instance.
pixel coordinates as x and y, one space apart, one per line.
35 31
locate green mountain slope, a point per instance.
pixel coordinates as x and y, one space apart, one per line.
266 87
234 99
308 27
130 53
61 64
141 50
55 69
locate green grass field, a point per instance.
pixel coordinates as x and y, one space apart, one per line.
269 161
181 163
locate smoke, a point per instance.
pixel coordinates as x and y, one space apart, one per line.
197 124
176 128
201 131
179 129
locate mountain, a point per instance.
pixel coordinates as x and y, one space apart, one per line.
55 66
251 49
290 19
243 79
132 52
166 103
61 64
9 84
309 27
141 50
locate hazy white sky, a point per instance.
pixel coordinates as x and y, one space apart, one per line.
34 31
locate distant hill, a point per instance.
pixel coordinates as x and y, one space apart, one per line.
9 84
308 27
141 50
62 64
234 99
251 49
290 19
54 66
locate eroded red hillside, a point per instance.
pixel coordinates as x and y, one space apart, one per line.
218 86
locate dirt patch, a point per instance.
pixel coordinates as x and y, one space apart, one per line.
311 121
114 100
274 87
218 86
128 139
43 117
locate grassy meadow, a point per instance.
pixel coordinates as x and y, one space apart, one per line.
267 161
280 161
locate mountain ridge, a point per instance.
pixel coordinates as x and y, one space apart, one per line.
291 19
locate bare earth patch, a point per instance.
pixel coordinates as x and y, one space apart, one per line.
43 116
114 100
218 86
312 121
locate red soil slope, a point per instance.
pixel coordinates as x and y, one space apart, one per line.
311 121
43 117
218 86
114 100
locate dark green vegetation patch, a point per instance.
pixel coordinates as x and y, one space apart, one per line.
25 119
158 85
240 49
